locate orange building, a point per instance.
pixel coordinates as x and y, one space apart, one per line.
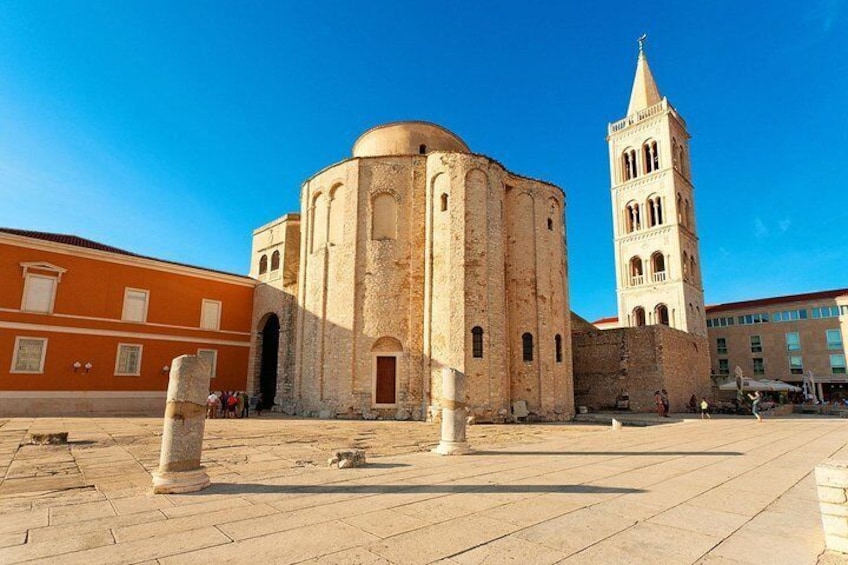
87 327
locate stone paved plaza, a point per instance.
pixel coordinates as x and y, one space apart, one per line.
725 491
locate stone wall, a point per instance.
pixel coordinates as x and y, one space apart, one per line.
638 362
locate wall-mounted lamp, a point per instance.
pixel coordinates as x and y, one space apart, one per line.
165 370
88 367
77 365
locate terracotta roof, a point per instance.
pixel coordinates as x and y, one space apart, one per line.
76 241
790 298
606 320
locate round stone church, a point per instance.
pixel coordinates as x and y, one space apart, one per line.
413 255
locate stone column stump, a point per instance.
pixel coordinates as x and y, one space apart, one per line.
453 414
185 419
832 486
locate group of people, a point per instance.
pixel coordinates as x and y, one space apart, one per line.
703 406
232 404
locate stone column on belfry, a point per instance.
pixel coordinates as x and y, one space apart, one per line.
453 414
185 419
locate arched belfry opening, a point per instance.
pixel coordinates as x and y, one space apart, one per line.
270 333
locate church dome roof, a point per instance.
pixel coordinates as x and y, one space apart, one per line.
407 138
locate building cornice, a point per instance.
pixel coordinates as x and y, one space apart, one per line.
130 260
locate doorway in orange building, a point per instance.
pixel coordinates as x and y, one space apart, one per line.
268 366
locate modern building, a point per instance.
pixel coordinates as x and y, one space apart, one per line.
785 338
89 327
413 255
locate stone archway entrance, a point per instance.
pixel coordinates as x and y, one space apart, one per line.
268 364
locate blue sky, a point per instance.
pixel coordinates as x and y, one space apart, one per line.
174 128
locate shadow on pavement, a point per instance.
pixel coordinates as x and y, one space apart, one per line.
241 488
612 453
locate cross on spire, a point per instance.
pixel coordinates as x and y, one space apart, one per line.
642 39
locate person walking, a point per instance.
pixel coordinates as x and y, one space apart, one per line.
705 408
755 405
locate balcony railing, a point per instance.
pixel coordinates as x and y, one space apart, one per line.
636 280
648 112
659 277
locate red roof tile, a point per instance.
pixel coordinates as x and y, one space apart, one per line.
76 241
760 302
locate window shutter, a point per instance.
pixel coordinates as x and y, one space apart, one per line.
210 318
39 293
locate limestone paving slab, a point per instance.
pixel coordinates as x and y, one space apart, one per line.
727 488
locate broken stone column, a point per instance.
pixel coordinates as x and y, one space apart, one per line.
832 487
453 414
185 419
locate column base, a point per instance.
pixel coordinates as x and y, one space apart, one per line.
452 448
180 482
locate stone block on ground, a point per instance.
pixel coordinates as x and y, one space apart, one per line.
348 459
53 438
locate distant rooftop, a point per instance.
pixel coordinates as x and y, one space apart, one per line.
77 241
789 298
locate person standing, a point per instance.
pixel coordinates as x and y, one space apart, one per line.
239 404
225 401
658 400
212 405
666 403
755 405
705 408
245 405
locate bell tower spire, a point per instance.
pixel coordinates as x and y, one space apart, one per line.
644 93
657 258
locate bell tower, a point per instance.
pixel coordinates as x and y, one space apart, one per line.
657 260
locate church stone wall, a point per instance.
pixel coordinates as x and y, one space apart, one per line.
638 362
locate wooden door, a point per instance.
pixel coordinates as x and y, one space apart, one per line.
386 377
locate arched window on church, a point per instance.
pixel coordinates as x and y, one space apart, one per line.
674 158
263 264
558 347
422 149
687 212
637 276
638 316
685 266
655 211
477 342
661 314
681 219
629 162
275 260
692 271
384 217
550 224
632 219
527 346
658 267
652 159
444 202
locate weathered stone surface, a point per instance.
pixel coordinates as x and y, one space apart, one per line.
55 438
348 459
454 414
185 420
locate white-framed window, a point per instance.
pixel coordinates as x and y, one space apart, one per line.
211 358
210 314
796 365
29 355
128 360
834 339
39 293
793 341
135 305
837 364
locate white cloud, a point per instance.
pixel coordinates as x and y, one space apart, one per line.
784 224
760 229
